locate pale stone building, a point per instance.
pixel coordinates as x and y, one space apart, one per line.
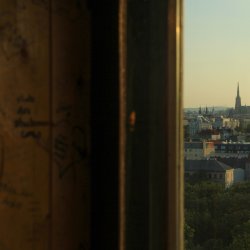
198 124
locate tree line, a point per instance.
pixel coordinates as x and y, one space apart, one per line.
217 218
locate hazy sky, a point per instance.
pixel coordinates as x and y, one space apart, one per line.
216 52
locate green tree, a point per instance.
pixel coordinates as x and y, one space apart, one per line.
189 235
241 242
217 218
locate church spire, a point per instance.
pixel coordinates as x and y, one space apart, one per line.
238 100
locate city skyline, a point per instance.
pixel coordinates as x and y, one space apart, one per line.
216 52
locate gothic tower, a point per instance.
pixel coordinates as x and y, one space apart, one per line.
238 100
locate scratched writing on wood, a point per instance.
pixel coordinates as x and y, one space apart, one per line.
10 203
69 141
9 189
28 125
12 197
12 42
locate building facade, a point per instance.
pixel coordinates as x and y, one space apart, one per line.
198 124
198 150
228 150
211 170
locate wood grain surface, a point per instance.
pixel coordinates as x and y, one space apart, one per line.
44 132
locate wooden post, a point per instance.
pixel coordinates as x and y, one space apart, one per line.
44 131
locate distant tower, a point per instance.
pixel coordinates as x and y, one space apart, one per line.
238 100
200 110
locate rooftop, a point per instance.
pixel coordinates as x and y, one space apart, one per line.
206 165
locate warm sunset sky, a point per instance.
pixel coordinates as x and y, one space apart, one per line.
216 52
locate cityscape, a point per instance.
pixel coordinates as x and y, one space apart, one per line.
216 124
217 143
217 177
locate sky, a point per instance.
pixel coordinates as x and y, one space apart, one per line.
216 52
